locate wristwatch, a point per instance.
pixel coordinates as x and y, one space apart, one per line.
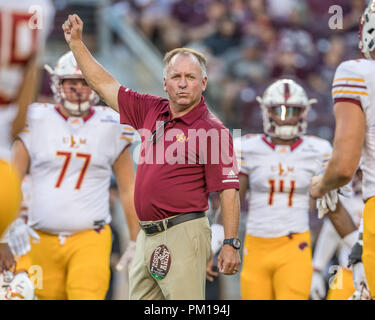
234 242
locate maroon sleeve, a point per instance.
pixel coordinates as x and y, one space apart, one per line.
221 168
133 106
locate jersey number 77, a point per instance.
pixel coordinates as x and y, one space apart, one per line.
68 156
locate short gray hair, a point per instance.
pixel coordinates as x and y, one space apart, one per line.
195 55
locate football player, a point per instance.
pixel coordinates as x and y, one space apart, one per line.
354 103
24 26
70 150
276 168
328 243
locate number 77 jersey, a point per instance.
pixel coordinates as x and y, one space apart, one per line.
70 166
279 179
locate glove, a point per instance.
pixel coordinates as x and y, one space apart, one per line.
327 203
217 237
329 200
364 294
127 257
19 237
359 277
318 286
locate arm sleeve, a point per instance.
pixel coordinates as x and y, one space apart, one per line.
349 84
133 106
241 156
326 245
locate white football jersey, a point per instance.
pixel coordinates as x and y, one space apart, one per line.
24 26
355 82
70 166
279 180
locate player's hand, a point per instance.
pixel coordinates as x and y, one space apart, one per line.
127 258
6 258
327 203
316 188
318 287
229 260
19 237
210 273
73 28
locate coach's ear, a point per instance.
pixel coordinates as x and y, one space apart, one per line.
204 84
164 84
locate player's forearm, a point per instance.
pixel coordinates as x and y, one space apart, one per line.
336 175
97 77
26 97
341 220
230 210
127 201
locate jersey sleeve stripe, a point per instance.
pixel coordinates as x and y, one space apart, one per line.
350 92
350 79
349 86
243 174
351 100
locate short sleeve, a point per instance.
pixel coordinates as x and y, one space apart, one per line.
221 168
349 84
134 107
26 134
326 154
125 139
243 166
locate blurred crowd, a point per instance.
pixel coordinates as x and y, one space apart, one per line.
250 43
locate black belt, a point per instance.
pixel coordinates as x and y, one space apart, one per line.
160 226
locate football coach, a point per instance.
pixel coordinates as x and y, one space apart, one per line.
186 153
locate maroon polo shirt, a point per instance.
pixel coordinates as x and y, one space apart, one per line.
180 163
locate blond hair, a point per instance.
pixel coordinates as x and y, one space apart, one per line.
195 55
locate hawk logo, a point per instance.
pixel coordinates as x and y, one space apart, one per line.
303 245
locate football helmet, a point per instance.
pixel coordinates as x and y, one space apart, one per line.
16 286
76 100
285 106
367 31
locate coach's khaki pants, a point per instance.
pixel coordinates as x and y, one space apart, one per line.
189 244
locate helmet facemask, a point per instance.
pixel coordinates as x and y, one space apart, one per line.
75 97
286 121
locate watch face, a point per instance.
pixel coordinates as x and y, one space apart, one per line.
236 243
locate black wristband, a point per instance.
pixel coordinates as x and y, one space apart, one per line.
355 255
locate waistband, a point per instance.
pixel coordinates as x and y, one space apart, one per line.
154 227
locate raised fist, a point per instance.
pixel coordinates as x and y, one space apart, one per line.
73 28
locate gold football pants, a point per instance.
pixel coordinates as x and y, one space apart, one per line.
342 287
75 267
277 268
368 255
10 194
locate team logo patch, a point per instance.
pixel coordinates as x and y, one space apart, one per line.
303 245
160 262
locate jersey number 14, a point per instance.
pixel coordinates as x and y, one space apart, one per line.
272 190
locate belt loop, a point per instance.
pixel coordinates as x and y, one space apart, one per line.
165 224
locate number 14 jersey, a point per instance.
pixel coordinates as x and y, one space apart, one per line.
70 166
279 180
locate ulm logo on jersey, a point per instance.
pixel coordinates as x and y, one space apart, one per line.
74 141
282 171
